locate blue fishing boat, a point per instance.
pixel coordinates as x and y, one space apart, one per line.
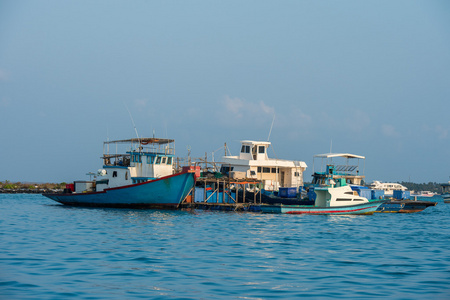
143 177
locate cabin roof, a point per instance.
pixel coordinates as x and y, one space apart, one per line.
255 142
143 141
345 155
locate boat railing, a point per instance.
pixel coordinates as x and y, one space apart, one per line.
346 169
122 160
158 150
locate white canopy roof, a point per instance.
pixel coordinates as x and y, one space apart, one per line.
255 142
345 155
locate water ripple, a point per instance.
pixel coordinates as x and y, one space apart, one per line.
56 252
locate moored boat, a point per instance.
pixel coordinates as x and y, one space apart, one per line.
404 206
446 192
143 177
423 194
358 209
253 162
396 195
334 199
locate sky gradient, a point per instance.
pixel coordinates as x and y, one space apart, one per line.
369 77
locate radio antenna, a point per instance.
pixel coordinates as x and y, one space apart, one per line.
270 131
134 125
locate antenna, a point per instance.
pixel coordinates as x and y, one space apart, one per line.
331 146
107 139
270 131
133 123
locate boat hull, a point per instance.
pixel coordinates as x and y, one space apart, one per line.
446 197
358 209
165 192
404 206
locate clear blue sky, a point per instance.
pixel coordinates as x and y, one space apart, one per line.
373 77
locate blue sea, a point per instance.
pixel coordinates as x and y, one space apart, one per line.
51 251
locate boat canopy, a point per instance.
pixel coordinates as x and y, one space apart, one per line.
345 155
143 141
255 142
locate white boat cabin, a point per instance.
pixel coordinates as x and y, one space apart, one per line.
147 159
387 187
337 194
253 162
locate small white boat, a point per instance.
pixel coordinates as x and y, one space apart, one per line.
423 194
335 199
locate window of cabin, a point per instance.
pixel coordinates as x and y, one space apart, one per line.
163 160
245 149
266 170
274 170
150 159
158 160
169 160
259 169
114 173
261 149
226 169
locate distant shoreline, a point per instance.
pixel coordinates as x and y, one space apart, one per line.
43 191
7 187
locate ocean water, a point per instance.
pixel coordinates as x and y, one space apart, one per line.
50 251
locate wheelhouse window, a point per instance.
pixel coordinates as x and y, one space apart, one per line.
245 149
169 160
164 160
226 169
274 170
297 174
150 159
261 149
259 169
266 170
158 160
137 158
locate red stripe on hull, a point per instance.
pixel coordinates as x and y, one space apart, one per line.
329 211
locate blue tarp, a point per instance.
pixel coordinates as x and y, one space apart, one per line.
401 195
290 192
377 194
